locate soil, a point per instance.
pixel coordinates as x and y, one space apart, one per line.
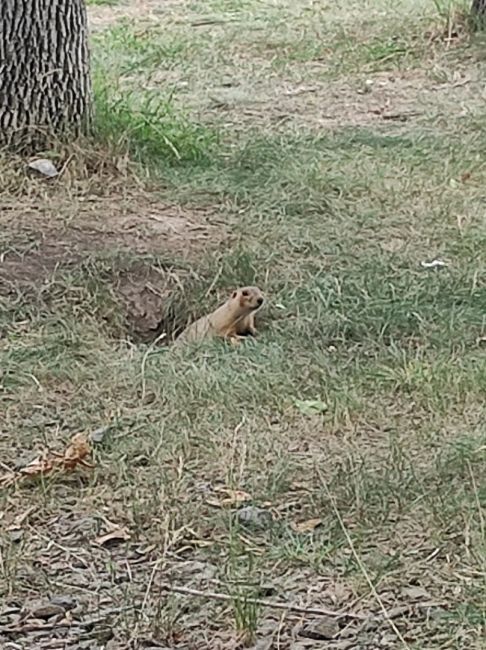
145 241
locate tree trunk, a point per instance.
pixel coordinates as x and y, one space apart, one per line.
478 9
44 69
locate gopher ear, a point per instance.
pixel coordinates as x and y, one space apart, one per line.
234 294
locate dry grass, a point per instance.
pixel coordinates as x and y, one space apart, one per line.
323 157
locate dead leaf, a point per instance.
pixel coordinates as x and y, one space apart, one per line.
233 497
8 479
119 534
306 526
41 465
77 451
74 455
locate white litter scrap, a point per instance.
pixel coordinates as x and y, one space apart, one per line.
44 167
433 264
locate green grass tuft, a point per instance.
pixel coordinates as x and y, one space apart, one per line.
150 128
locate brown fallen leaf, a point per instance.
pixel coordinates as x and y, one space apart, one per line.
119 534
77 451
233 497
74 454
306 526
8 479
41 465
300 486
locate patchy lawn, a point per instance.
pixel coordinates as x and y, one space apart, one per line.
332 154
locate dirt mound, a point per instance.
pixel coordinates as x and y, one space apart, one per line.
135 249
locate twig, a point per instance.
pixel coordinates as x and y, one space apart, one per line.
64 167
213 283
144 361
214 595
150 582
386 614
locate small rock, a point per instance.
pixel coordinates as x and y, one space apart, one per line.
44 167
64 601
98 435
254 517
47 611
324 628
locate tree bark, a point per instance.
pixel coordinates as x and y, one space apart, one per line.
44 69
478 9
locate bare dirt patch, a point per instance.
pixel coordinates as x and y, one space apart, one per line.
142 239
102 16
62 231
378 98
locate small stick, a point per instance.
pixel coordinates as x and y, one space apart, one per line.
144 361
385 613
214 595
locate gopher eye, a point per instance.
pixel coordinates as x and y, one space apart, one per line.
244 293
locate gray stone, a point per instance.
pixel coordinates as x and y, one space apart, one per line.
254 517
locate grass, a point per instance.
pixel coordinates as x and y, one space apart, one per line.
150 128
330 202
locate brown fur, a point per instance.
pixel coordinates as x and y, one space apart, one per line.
232 321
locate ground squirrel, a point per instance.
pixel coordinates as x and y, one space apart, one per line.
233 320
